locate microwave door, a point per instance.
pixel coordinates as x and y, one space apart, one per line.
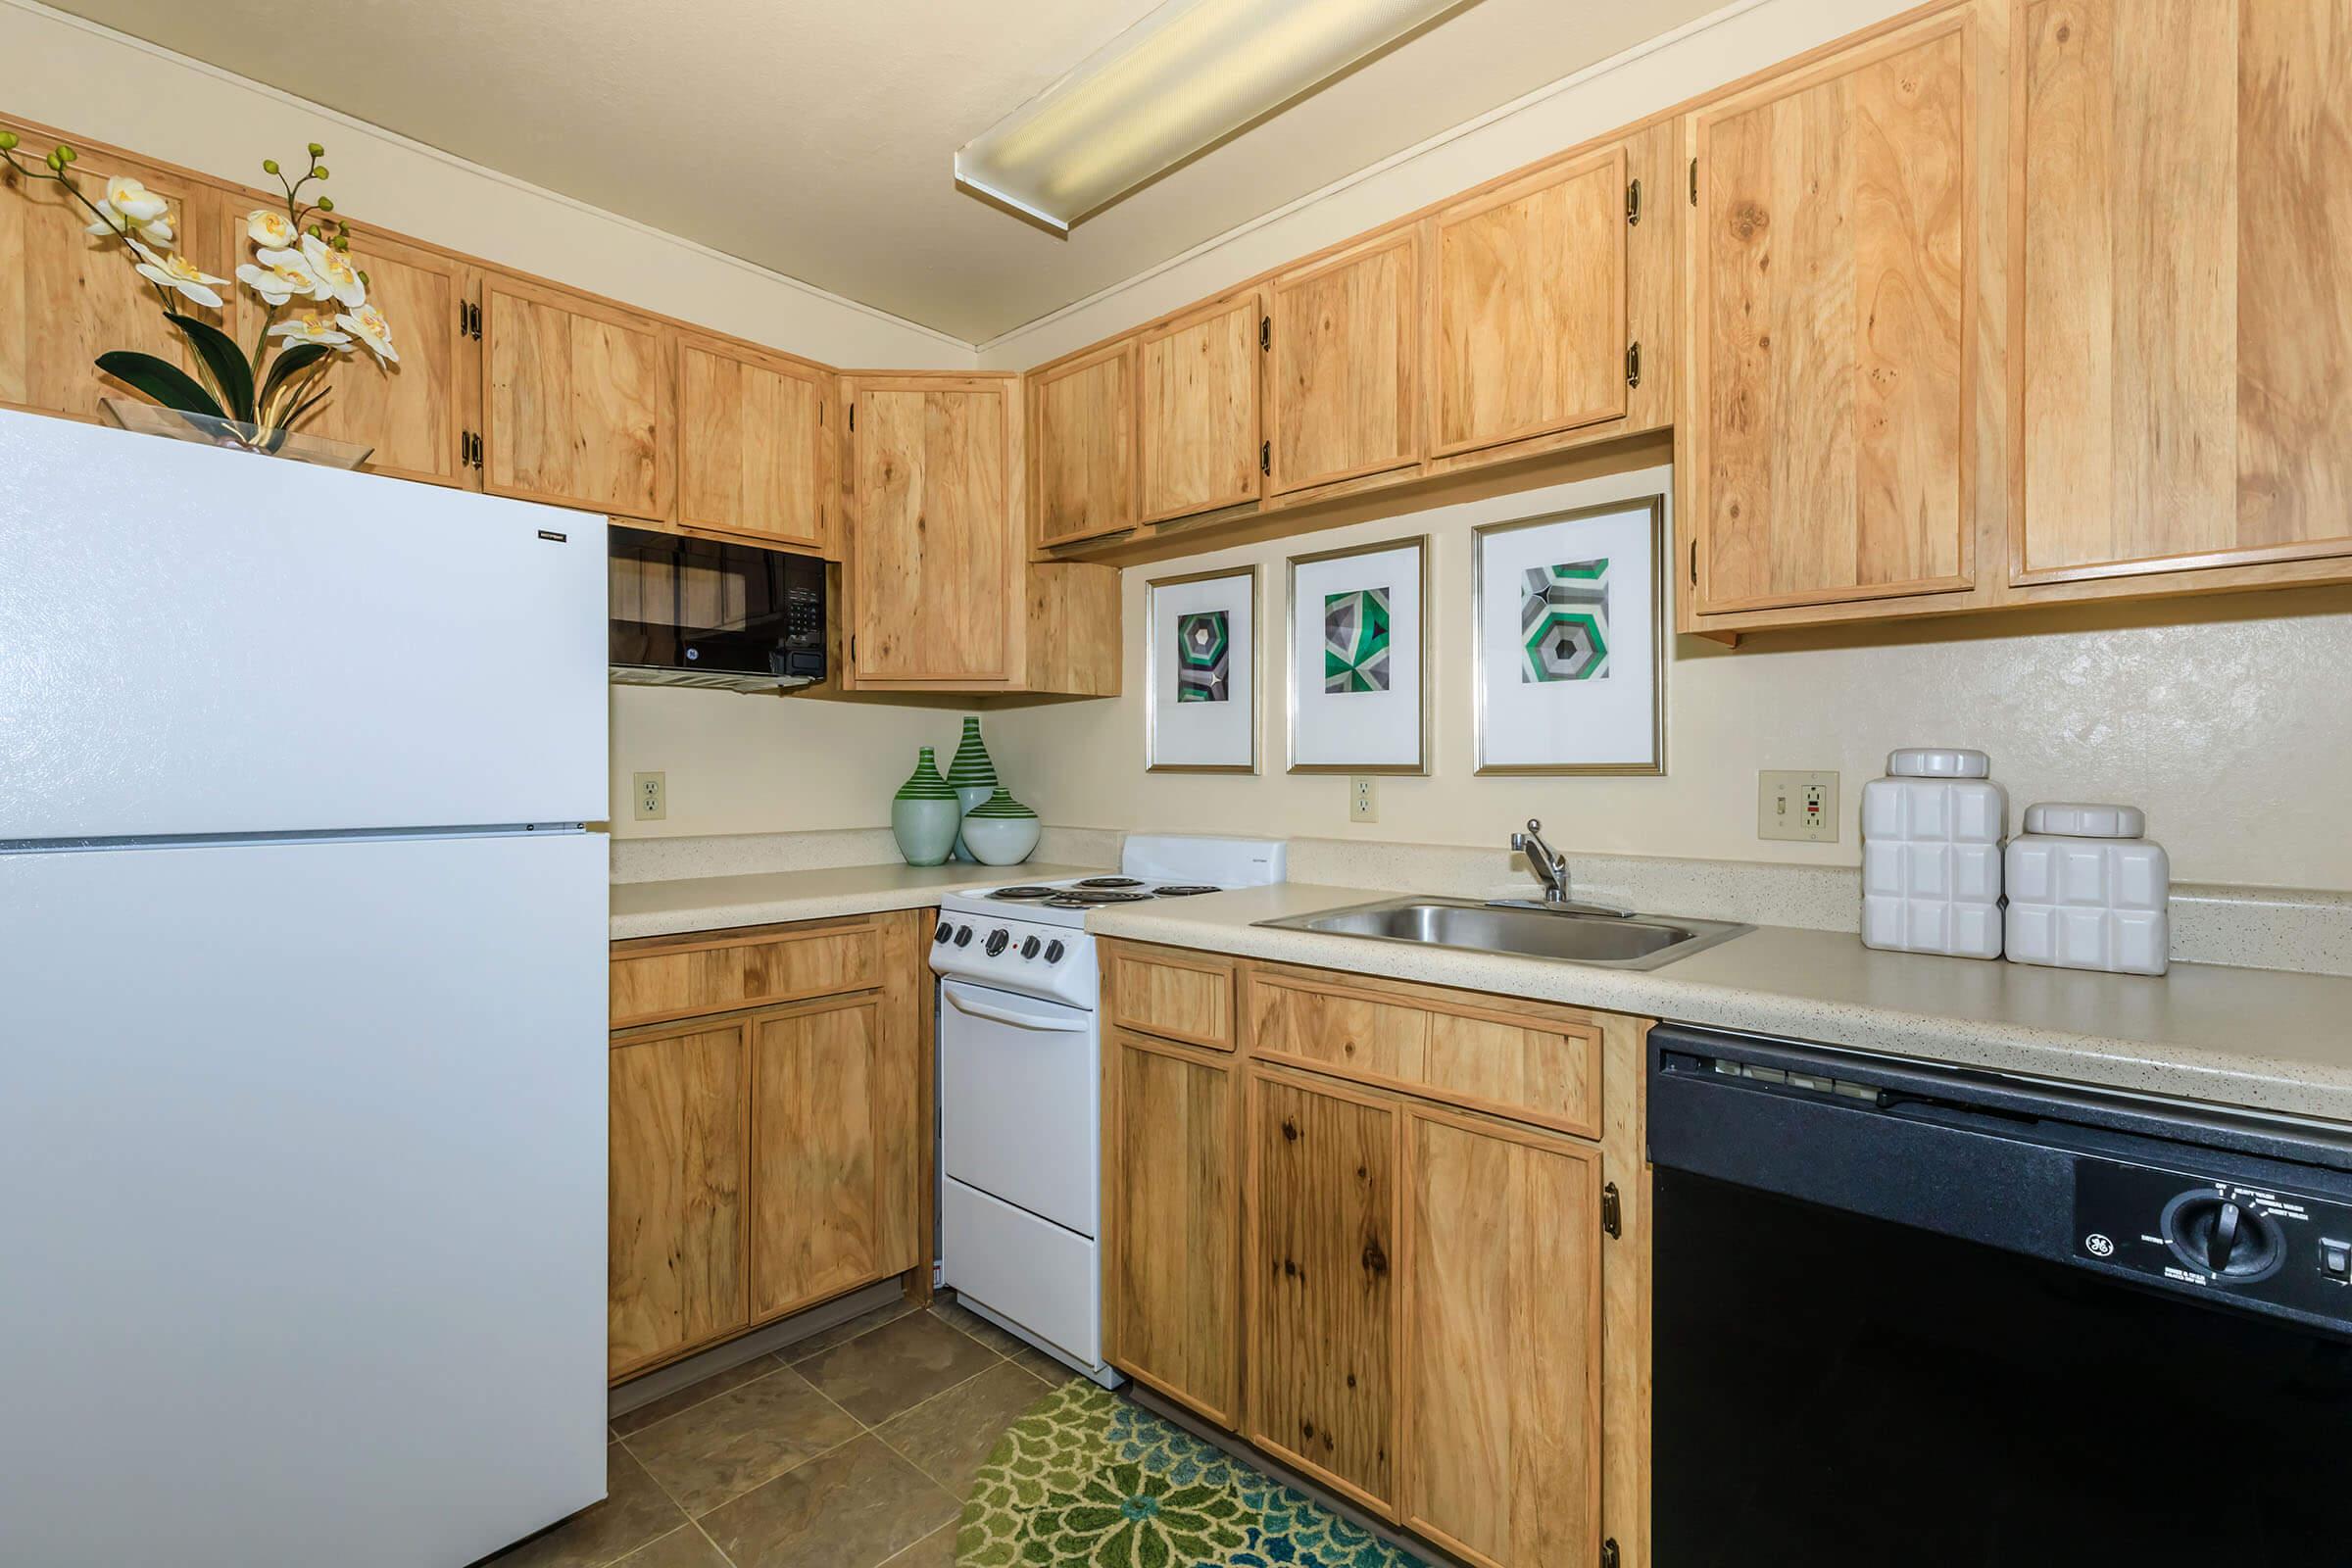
703 613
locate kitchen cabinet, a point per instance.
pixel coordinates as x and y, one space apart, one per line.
2184 335
770 1126
1343 360
67 296
1500 1349
1527 307
1324 1304
1082 440
1201 441
1172 1196
1830 430
755 445
579 402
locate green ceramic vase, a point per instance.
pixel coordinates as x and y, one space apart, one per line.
1001 831
972 775
925 814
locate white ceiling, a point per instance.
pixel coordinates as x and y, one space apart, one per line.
817 138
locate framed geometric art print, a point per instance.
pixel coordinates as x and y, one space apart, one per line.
1201 707
1358 660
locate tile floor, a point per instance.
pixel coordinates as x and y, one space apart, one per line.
853 1449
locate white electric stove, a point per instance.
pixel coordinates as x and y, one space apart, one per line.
1020 1083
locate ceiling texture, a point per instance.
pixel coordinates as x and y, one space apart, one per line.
817 139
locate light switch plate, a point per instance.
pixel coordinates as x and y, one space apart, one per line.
649 794
1363 806
1801 806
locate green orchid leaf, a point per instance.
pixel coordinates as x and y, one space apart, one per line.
224 358
292 362
166 383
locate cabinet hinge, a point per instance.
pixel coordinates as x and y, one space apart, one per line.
470 320
1693 562
1265 456
1633 364
1612 1213
852 417
1633 202
1265 333
1608 1552
1694 182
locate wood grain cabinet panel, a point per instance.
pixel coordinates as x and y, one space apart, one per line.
671 977
1176 995
675 1256
1527 314
68 296
1201 442
755 445
579 402
1082 437
1342 366
1829 422
1322 1293
1172 1185
2184 381
1502 1343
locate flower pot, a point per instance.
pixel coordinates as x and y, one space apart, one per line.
205 429
924 816
1002 831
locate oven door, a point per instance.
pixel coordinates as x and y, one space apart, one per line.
1019 1092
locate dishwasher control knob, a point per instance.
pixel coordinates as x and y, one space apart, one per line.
2223 1236
1029 946
1055 950
998 940
944 932
963 936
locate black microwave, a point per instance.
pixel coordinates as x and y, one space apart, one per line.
689 611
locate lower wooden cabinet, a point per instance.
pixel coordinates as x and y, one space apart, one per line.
767 1158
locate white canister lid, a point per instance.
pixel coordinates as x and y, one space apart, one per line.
2069 819
1938 761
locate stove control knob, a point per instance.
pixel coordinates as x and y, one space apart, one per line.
998 940
963 936
944 932
1055 950
1029 947
2223 1236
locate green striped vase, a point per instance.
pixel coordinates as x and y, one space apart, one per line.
1001 831
972 776
925 814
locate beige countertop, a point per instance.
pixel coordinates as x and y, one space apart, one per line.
2263 1038
771 898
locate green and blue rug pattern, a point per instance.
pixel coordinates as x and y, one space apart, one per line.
1087 1479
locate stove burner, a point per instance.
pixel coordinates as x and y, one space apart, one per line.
1184 890
1093 899
1027 890
1110 882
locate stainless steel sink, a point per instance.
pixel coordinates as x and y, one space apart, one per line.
1611 942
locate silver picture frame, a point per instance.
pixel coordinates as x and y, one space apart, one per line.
1419 545
1256 673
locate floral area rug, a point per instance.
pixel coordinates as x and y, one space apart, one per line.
1087 1479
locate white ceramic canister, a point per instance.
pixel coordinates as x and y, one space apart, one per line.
2088 892
1932 834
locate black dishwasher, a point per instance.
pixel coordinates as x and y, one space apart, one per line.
1923 1316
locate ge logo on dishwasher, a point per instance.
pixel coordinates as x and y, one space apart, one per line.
2099 1245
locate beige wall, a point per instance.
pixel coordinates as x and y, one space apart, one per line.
2224 717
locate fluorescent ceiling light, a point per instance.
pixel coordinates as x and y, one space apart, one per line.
1189 74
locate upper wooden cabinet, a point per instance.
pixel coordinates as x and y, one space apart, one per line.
2184 311
578 404
1527 307
1200 438
1343 365
68 296
755 445
1082 469
1831 421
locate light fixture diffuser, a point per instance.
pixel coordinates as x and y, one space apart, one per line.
1181 79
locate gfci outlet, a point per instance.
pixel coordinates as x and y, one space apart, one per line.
1797 805
650 794
1363 804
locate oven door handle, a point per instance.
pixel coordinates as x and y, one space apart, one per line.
1041 1024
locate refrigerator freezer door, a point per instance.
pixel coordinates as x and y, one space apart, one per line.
302 1252
195 641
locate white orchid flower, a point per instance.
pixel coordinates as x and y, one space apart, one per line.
309 328
286 275
272 230
296 269
178 274
340 279
129 208
368 325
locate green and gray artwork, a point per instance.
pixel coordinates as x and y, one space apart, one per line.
1355 641
1203 658
1564 623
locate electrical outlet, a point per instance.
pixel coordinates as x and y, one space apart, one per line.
650 793
1802 806
1363 804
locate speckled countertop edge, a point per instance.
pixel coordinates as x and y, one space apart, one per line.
773 898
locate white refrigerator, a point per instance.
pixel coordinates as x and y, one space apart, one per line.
302 1010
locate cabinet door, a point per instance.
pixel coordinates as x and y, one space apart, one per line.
1201 447
409 413
1342 362
1082 470
1171 1176
68 296
2184 346
675 1256
1829 419
755 444
1502 1343
1322 1295
936 565
1527 330
578 402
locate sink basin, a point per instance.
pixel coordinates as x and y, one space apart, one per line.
1611 942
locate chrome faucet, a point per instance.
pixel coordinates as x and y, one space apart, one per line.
1551 868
